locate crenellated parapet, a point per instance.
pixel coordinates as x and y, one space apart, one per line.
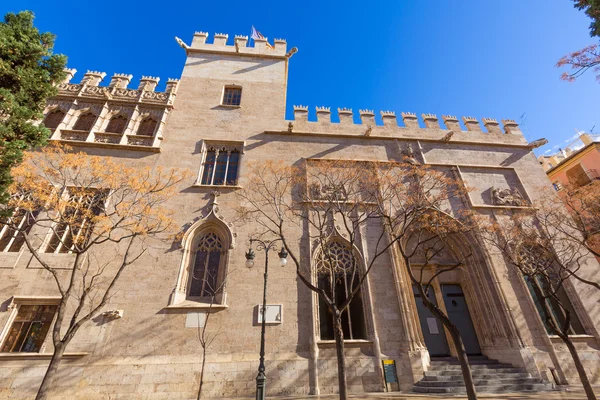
427 127
114 116
410 120
117 89
222 45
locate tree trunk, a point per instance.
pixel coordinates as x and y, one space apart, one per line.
458 345
464 361
46 385
202 374
341 359
587 386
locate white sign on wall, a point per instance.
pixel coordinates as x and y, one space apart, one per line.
195 320
274 314
433 326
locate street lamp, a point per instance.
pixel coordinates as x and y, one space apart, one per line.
261 378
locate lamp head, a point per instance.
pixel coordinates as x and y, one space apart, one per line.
250 258
283 257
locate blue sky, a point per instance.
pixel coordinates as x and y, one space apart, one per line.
466 58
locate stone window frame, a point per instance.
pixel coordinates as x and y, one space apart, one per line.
52 232
14 235
140 124
54 110
109 118
224 96
576 308
81 113
13 307
213 222
219 146
362 292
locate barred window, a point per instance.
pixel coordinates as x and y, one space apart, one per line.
53 119
221 166
85 122
29 329
232 96
206 267
337 274
147 127
76 220
117 124
557 308
14 228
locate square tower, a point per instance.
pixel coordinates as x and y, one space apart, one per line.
244 86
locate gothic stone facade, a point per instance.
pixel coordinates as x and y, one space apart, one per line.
230 110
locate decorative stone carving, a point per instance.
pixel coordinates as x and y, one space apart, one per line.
408 155
126 93
507 197
113 314
79 136
70 88
328 192
139 140
158 96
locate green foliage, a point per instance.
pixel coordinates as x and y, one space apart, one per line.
28 75
592 10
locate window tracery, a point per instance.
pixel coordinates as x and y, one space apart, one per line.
337 274
53 119
85 122
116 124
206 268
147 127
220 167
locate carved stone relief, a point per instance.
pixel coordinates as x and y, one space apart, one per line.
507 197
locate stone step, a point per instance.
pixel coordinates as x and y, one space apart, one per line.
525 387
453 361
459 377
478 382
474 371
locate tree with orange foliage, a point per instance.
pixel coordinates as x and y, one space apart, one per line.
589 57
579 222
336 204
101 213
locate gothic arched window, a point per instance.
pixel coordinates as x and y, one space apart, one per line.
337 274
147 127
53 119
204 280
117 124
85 122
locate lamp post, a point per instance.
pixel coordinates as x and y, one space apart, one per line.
261 378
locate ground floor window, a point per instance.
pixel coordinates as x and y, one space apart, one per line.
557 308
29 329
338 276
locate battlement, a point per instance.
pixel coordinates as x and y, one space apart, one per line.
239 46
429 126
117 89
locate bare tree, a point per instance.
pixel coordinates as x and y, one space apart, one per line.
207 336
101 213
574 216
416 206
546 265
333 203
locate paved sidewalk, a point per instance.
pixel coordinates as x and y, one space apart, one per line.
565 394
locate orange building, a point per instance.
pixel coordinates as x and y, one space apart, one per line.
577 165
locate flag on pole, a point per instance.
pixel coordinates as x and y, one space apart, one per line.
257 35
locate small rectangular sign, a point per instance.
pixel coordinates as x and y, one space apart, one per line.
274 314
389 371
433 326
